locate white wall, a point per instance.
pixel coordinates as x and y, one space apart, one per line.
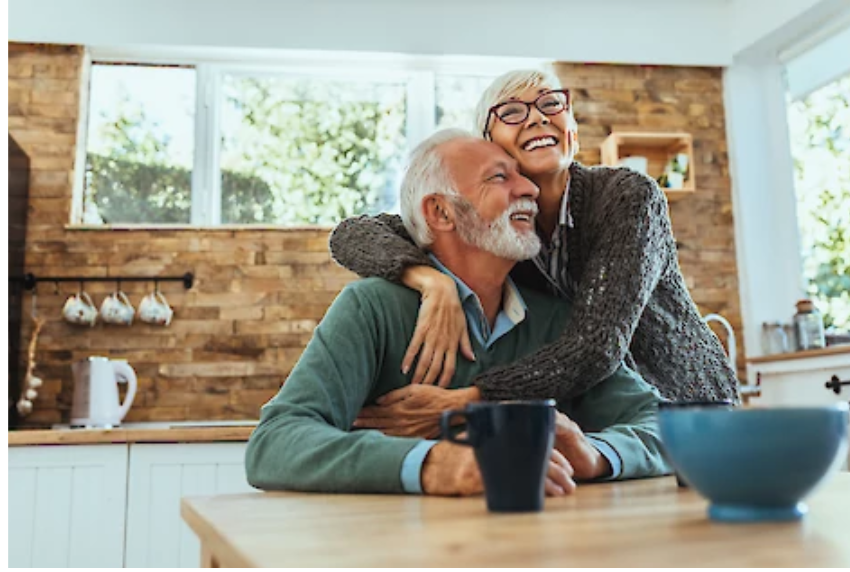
760 164
818 66
671 32
752 20
773 28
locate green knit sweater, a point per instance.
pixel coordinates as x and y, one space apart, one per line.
304 441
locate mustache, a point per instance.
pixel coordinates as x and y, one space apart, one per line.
523 205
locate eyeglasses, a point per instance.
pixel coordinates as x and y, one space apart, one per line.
515 112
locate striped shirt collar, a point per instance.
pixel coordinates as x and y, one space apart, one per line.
551 261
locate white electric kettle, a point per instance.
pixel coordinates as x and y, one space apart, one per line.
96 392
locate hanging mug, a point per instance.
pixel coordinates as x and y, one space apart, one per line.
116 309
154 309
79 309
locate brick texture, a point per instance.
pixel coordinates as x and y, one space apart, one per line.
258 294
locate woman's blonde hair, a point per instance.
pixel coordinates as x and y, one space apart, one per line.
509 85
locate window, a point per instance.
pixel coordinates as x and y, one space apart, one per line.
819 127
456 97
140 147
209 143
299 150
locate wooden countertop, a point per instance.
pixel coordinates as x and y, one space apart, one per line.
22 437
641 523
828 351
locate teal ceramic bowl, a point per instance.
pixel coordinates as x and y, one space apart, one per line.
754 465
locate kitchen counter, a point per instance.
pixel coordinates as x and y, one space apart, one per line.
166 432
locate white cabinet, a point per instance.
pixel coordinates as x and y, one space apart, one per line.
800 379
789 380
67 506
160 474
71 505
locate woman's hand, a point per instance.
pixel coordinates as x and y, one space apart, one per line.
414 410
440 328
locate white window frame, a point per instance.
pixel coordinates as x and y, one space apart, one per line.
418 73
767 241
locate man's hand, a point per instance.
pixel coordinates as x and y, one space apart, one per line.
451 469
559 477
585 459
414 410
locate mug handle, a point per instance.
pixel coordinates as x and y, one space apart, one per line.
123 298
451 433
83 295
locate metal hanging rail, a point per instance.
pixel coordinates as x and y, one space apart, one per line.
30 280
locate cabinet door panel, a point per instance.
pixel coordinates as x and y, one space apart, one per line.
160 475
801 383
67 506
87 483
21 514
53 515
198 480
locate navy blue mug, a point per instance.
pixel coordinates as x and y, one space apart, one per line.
513 442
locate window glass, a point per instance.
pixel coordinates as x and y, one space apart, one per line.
305 150
820 141
456 97
140 145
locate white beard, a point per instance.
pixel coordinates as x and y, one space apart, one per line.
498 237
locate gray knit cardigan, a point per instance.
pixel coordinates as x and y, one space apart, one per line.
630 302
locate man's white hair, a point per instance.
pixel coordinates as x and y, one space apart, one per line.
509 85
427 175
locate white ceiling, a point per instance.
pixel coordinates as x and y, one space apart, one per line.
673 32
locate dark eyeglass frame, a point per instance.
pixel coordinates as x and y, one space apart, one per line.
492 111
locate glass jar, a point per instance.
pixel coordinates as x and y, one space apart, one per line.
791 334
774 339
808 324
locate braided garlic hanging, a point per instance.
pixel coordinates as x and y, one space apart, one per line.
31 383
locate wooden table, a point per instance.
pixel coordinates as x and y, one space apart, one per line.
637 523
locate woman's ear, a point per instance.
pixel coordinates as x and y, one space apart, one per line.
572 128
438 213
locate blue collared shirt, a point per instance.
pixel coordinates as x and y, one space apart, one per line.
512 311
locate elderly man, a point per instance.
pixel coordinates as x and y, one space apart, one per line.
464 200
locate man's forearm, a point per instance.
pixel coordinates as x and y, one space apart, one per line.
292 451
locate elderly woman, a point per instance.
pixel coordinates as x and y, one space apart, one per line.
607 246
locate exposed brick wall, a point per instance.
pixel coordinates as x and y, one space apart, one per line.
259 293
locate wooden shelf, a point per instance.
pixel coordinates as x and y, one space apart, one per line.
827 351
658 148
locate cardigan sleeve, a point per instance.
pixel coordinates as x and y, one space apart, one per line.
376 246
630 251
